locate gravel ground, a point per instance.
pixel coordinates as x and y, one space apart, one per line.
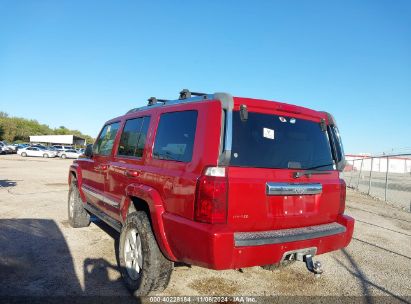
41 255
398 186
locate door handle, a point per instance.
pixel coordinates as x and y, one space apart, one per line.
101 167
132 173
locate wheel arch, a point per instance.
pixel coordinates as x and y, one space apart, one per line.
144 198
75 172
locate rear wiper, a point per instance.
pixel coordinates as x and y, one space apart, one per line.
310 171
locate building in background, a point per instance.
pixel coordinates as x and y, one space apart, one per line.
58 139
394 163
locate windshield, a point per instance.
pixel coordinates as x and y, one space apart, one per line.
272 141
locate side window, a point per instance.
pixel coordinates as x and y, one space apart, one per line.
104 143
133 138
175 136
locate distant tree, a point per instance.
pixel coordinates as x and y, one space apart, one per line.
62 130
1 132
19 129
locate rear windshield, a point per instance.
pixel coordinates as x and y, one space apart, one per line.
284 142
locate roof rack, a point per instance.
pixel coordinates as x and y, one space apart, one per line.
185 96
153 100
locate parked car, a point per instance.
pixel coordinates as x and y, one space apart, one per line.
81 151
36 151
62 148
21 146
6 148
215 181
71 153
38 146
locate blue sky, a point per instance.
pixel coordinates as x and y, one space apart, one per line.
80 63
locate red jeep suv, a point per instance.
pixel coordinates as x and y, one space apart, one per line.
215 181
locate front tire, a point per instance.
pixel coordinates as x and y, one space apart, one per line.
78 216
63 156
143 267
45 155
24 154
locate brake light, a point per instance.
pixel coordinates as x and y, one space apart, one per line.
343 194
211 197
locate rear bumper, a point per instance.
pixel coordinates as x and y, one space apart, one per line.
215 247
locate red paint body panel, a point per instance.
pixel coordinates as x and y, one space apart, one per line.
212 246
169 189
250 209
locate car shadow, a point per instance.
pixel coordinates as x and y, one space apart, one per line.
6 183
356 271
35 259
111 232
36 265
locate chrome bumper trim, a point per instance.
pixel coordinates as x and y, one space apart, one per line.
292 189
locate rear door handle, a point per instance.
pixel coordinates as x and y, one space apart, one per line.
132 173
101 167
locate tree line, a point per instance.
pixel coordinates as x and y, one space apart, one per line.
16 129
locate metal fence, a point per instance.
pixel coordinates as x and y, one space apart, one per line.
386 177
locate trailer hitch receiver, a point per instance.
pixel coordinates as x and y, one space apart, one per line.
314 267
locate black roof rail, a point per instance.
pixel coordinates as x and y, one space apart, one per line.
153 100
184 94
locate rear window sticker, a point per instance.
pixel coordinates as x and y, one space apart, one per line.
282 119
268 133
292 120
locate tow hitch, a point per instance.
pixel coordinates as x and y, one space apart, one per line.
314 267
305 255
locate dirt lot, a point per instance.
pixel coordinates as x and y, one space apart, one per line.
398 186
41 255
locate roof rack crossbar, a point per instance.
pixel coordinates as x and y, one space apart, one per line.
153 100
184 94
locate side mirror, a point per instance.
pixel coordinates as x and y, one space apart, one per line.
89 151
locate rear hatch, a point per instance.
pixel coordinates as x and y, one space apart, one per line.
281 173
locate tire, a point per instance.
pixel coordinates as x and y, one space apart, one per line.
24 154
63 156
154 270
77 216
273 267
45 155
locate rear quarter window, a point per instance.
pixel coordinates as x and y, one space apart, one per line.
175 136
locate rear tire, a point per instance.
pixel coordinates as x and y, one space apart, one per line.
143 267
24 154
45 155
63 156
78 216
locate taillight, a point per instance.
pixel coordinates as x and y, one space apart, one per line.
343 195
211 198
